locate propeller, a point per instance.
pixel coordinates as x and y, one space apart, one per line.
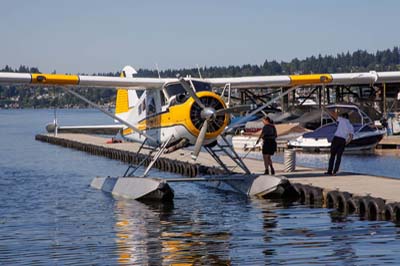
189 89
236 109
200 140
208 114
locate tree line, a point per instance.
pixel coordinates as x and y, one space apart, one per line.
358 61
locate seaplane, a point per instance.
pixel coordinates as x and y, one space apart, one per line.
168 114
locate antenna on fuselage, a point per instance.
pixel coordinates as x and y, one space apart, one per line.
198 69
158 71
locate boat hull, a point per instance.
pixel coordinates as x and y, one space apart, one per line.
362 144
365 137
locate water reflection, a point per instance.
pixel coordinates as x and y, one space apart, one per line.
269 225
132 234
146 235
49 215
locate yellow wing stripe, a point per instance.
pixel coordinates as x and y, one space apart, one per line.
55 79
310 79
62 79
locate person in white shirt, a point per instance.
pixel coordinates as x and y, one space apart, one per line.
343 135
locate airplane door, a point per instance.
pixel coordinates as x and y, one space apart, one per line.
153 110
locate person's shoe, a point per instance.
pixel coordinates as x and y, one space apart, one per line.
272 171
334 173
328 173
266 172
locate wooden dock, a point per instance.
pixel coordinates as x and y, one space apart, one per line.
389 142
365 194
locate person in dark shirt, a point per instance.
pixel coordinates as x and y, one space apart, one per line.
268 135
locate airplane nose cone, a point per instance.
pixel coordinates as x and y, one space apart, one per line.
208 113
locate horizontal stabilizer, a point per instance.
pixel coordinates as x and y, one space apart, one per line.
98 129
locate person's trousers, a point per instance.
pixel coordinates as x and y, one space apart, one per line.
337 149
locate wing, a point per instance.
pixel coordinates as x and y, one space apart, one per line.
83 81
312 79
371 77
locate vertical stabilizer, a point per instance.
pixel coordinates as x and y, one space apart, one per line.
126 99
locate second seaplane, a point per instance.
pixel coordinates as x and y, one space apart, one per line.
168 114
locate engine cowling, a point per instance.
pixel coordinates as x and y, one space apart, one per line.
216 122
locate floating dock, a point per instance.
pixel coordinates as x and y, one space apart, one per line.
372 197
389 142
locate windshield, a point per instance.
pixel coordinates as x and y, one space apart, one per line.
176 88
355 116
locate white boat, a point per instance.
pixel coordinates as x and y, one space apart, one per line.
366 134
394 123
247 140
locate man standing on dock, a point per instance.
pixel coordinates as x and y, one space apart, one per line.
343 135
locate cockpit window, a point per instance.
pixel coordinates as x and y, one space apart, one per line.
176 88
201 86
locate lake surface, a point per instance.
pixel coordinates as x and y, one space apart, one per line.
50 216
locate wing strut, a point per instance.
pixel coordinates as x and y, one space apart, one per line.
259 109
122 121
157 155
226 147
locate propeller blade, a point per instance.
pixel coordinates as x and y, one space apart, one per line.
188 88
200 140
236 109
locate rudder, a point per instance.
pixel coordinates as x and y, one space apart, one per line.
126 99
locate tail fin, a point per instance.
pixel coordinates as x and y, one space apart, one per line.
126 99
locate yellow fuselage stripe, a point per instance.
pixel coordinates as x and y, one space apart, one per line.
179 115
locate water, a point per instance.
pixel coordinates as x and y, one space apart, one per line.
50 216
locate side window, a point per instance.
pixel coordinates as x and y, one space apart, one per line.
151 109
162 98
142 107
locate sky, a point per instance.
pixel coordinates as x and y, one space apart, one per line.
88 36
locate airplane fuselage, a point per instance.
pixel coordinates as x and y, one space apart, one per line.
171 112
